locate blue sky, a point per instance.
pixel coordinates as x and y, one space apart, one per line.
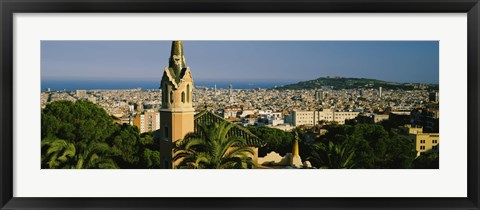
255 61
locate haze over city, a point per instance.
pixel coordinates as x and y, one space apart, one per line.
281 62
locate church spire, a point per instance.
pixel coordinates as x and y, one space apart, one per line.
177 60
296 160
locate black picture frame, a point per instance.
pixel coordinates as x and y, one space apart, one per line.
9 7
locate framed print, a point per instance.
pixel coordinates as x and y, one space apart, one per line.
239 105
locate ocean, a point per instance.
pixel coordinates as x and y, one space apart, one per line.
117 85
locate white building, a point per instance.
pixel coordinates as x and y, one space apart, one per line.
311 118
303 118
231 112
380 117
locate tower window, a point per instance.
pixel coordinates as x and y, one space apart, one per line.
183 96
171 96
166 132
164 94
188 93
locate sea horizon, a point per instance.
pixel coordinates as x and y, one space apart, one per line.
71 85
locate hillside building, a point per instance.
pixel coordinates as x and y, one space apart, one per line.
423 141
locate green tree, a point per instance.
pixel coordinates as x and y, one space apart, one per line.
82 135
150 157
212 148
80 155
370 143
374 147
338 132
427 160
77 121
56 153
126 143
400 152
275 139
332 155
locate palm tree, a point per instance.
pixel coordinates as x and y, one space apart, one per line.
335 156
212 148
58 153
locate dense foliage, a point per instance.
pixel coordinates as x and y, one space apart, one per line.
211 148
374 147
275 139
82 135
349 83
367 146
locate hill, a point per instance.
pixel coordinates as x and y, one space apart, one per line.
339 83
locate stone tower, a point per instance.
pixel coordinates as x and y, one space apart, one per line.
176 113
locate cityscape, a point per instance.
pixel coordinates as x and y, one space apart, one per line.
325 122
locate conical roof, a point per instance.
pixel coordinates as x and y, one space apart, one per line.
177 48
177 60
295 149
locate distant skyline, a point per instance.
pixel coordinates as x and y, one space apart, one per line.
242 61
